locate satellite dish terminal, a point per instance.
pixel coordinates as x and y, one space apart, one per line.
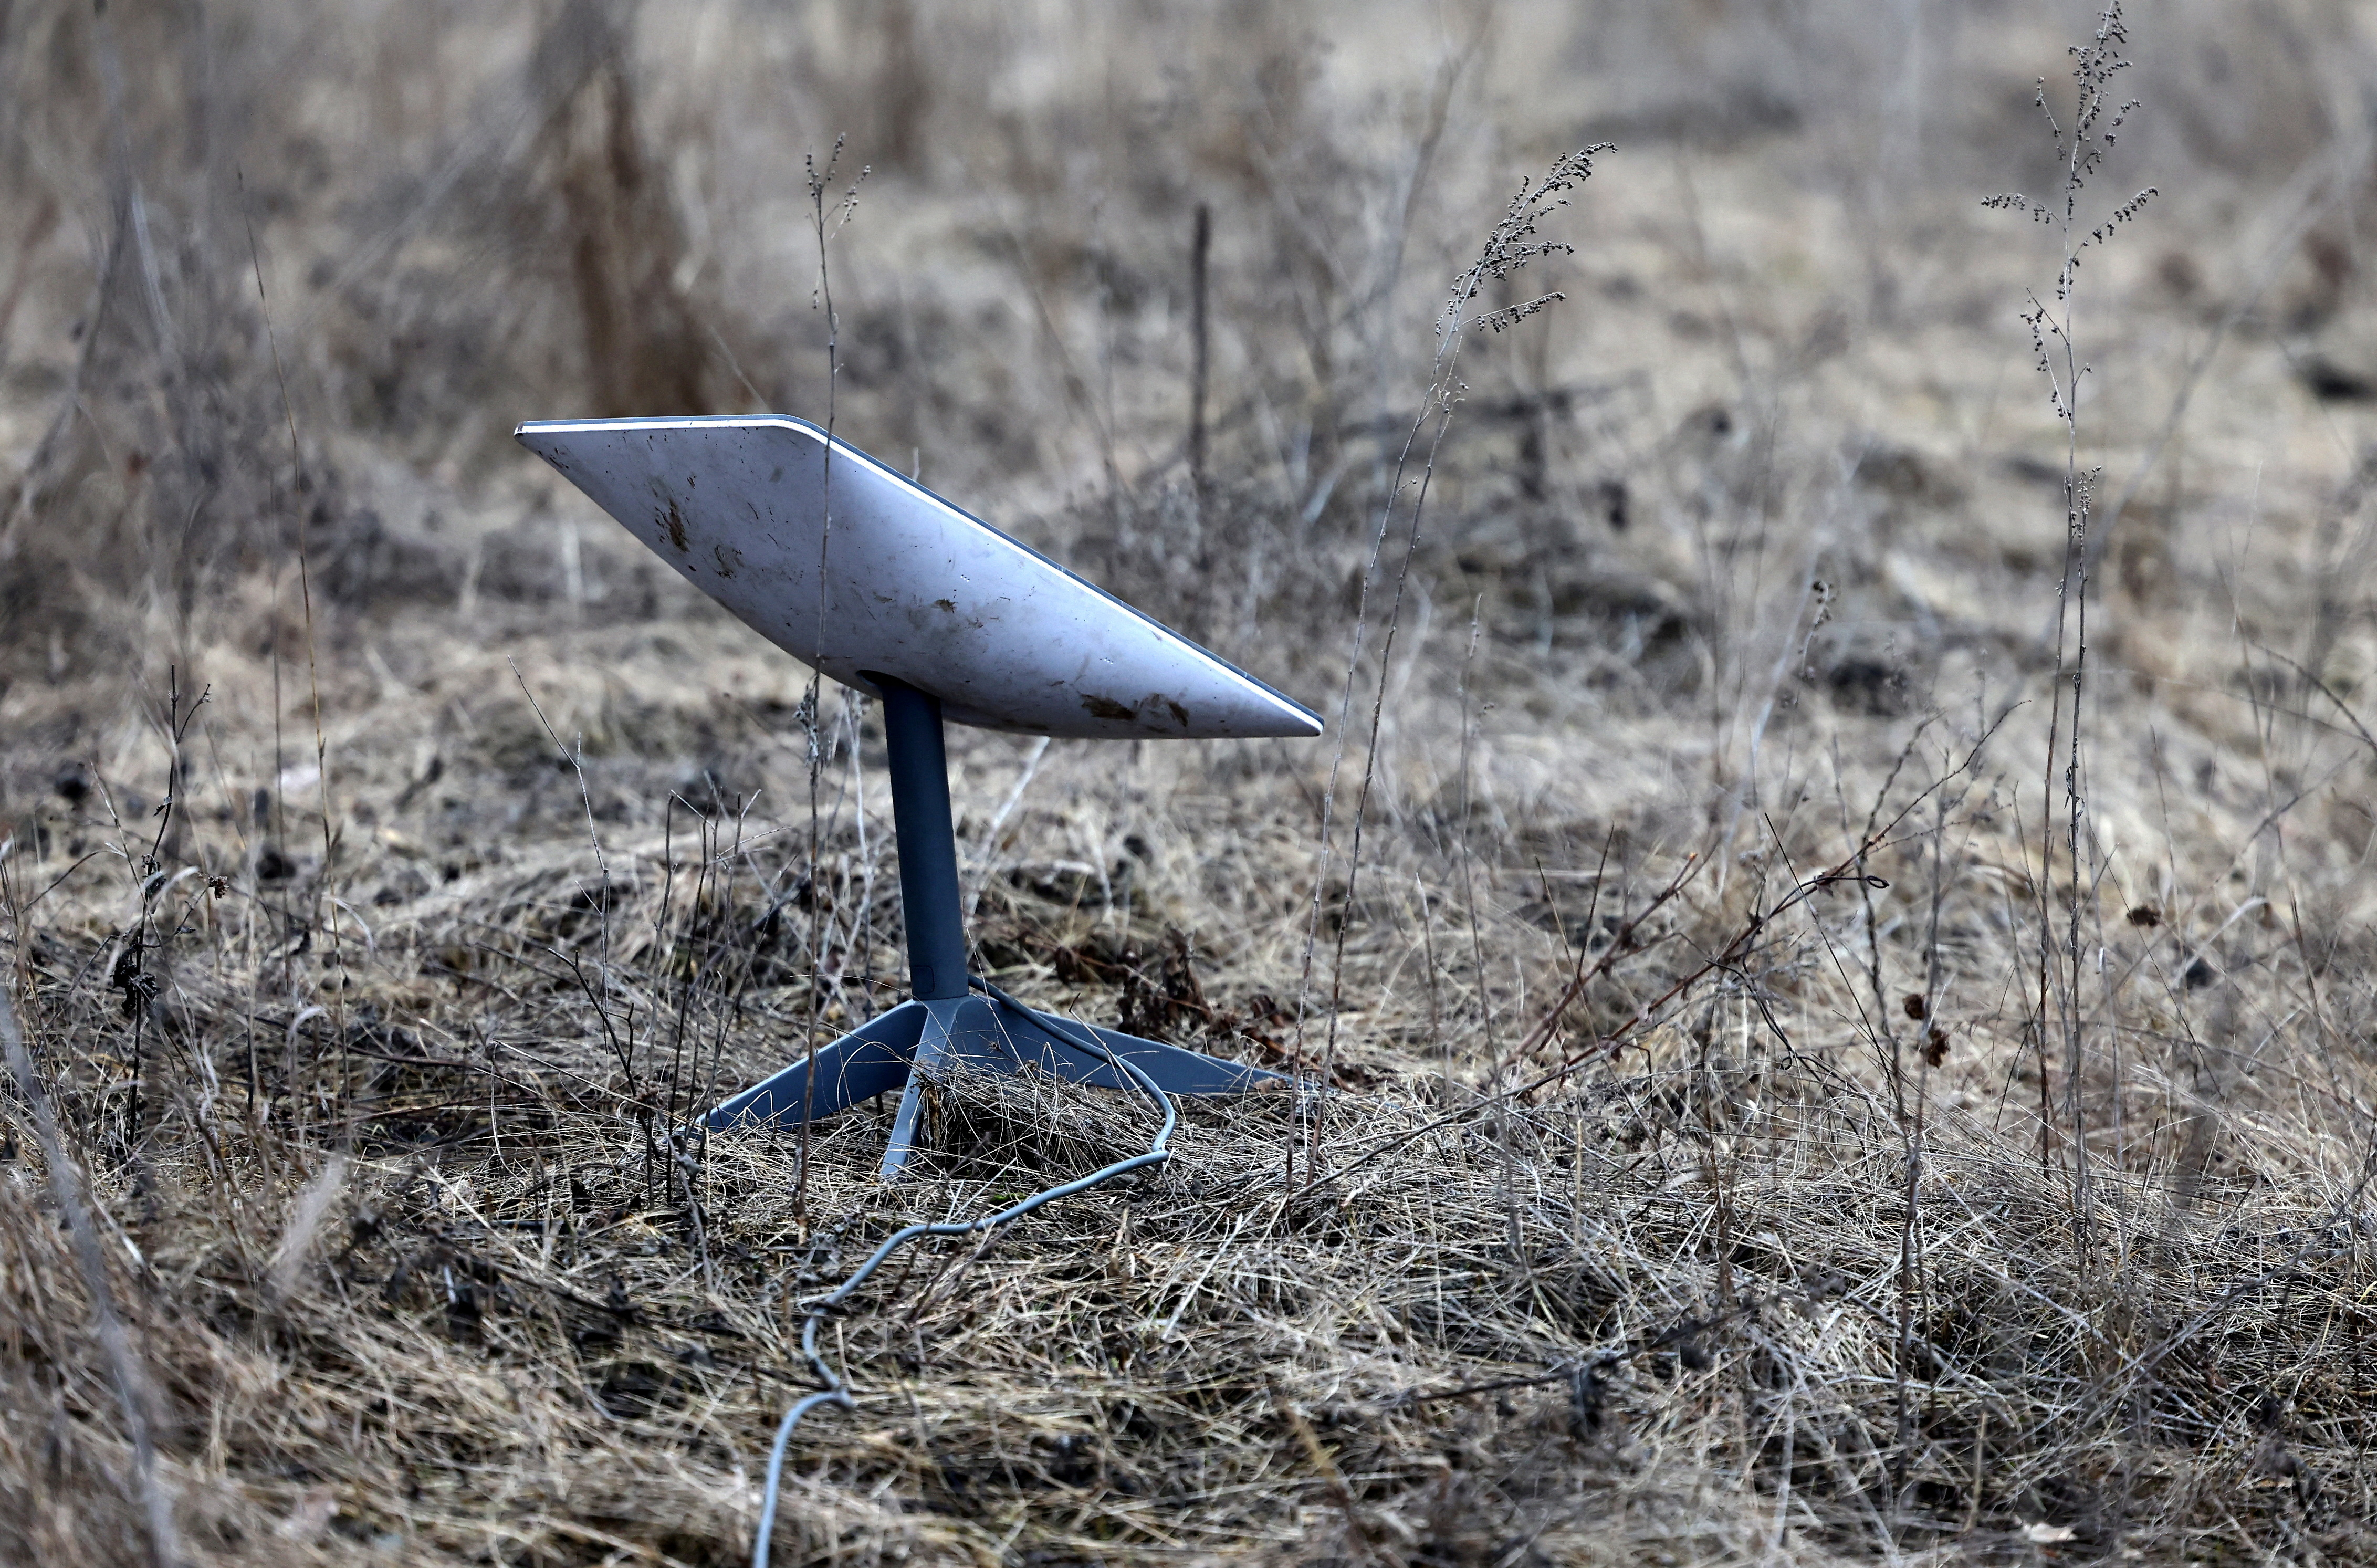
942 618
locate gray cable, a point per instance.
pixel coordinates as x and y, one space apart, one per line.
836 1392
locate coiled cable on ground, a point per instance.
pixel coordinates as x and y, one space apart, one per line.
836 1392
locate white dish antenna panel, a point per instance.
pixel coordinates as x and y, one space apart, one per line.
902 583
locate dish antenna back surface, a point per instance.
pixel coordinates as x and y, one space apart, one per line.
895 592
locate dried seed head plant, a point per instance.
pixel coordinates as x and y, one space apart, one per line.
1510 245
825 226
2080 148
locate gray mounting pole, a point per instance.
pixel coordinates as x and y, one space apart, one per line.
928 893
928 840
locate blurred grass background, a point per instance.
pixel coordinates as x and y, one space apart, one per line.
1941 1217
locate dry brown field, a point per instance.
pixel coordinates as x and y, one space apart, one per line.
1827 941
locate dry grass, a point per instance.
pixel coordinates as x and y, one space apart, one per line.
1749 1140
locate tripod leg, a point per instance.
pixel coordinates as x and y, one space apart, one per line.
869 1060
1055 1044
994 1035
957 1031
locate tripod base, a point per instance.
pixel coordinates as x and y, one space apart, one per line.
918 1038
